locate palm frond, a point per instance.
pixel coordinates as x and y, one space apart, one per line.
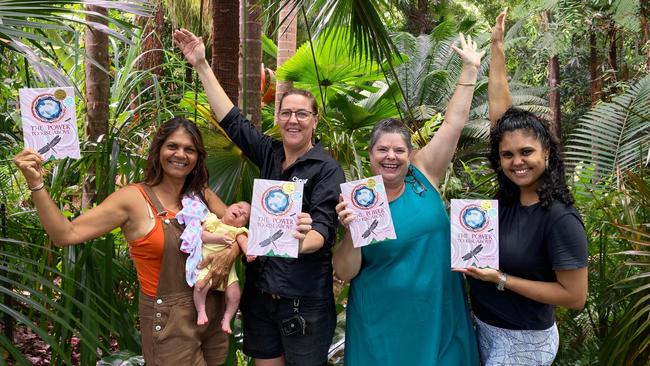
613 136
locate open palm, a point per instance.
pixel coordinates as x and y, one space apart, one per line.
468 51
192 46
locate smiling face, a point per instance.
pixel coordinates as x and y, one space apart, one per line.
522 159
389 157
178 154
237 214
296 135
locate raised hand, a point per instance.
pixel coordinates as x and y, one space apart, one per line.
29 162
498 31
192 46
468 52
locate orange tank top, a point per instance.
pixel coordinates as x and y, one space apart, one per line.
147 251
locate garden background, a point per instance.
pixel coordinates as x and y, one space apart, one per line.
581 64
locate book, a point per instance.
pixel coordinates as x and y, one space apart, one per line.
49 121
274 209
474 233
373 222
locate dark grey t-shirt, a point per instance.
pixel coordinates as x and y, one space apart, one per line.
533 242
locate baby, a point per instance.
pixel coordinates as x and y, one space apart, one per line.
204 234
231 226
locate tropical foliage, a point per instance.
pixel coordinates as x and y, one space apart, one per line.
365 61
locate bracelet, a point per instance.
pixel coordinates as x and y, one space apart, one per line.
466 84
38 187
502 281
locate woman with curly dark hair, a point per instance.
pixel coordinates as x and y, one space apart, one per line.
542 243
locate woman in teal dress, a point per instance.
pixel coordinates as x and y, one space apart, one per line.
406 306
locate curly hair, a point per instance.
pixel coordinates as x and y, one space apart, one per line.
197 180
552 185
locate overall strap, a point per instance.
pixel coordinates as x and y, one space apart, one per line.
158 207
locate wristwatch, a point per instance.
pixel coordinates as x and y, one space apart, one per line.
502 281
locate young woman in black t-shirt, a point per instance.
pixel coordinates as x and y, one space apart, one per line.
542 244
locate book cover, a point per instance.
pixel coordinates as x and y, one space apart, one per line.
373 222
274 209
49 121
474 233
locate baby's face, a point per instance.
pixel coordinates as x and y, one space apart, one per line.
237 214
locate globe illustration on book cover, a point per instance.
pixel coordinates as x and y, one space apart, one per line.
364 197
473 218
275 201
46 108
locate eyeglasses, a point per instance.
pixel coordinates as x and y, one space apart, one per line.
417 187
301 115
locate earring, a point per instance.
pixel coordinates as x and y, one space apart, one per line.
546 163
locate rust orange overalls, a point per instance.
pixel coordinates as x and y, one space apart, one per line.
170 335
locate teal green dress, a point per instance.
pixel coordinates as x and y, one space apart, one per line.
405 306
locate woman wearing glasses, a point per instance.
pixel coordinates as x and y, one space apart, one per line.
296 293
405 306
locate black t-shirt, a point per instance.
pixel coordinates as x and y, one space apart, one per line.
533 242
309 275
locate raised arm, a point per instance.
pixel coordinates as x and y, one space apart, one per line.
111 213
499 97
194 51
435 157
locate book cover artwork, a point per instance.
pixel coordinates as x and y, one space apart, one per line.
274 211
474 233
49 121
373 222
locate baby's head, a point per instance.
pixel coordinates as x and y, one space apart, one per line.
237 214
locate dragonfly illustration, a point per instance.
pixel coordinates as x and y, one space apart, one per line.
50 145
370 229
473 253
271 239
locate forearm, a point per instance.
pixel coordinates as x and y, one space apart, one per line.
217 98
553 293
499 97
461 101
57 226
347 259
312 242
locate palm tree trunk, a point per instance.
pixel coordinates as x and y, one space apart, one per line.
611 53
251 62
97 89
594 68
645 12
225 46
554 103
154 30
287 33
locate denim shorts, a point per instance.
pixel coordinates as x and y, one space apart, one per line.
262 316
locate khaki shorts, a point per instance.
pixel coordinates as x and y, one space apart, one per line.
170 335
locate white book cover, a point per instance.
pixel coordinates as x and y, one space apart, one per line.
274 209
49 121
373 222
474 233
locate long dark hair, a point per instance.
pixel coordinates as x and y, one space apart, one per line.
197 180
552 184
